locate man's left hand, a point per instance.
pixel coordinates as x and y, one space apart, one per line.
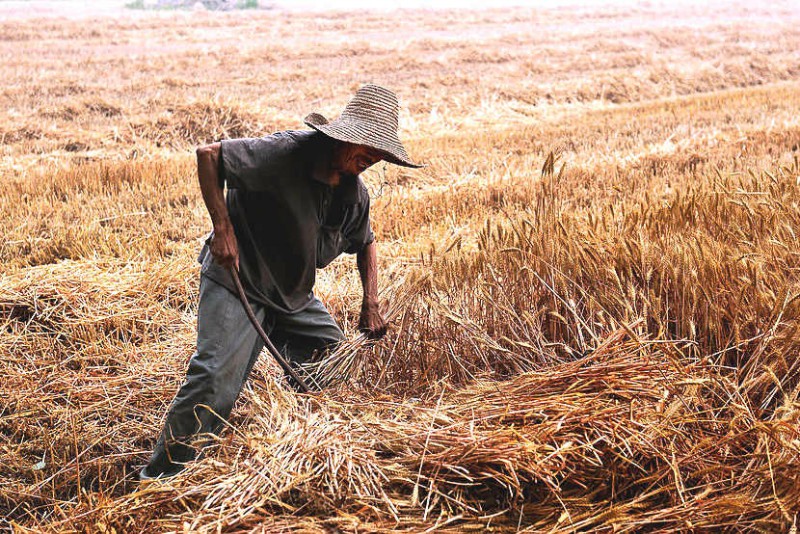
372 322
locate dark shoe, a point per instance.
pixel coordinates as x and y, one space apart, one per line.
145 475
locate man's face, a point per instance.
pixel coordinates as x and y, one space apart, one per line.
355 159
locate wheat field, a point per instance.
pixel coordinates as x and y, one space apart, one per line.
593 286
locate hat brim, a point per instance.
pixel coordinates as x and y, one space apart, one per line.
321 124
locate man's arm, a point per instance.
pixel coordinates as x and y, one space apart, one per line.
223 244
372 322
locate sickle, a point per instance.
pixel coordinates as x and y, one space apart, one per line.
252 316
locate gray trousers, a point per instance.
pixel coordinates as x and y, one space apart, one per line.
227 348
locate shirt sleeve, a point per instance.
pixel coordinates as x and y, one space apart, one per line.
358 231
255 163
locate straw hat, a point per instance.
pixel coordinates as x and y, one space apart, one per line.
369 119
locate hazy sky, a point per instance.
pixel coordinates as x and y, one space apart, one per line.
79 8
473 4
11 9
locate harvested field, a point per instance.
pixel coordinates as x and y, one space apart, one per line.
594 285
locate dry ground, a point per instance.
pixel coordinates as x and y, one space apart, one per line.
593 285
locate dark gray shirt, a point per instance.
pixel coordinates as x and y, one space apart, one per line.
288 221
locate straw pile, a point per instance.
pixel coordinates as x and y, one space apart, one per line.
634 435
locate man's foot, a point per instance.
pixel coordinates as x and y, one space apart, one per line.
146 475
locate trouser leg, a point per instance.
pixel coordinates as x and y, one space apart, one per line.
227 346
300 335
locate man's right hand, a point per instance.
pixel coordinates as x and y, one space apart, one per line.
224 248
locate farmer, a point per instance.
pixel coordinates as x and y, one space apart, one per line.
295 202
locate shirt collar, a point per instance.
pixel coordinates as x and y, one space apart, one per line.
348 188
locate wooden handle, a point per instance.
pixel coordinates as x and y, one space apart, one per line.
252 316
